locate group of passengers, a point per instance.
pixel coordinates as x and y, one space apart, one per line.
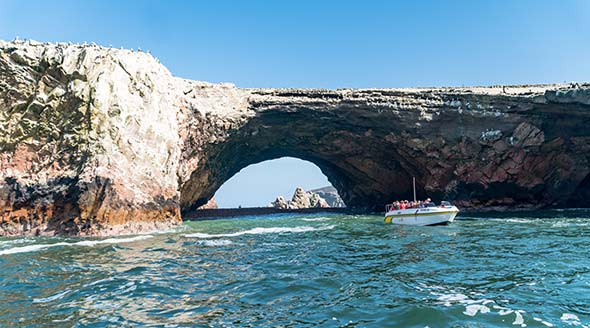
404 204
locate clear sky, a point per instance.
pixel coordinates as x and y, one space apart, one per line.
328 44
260 184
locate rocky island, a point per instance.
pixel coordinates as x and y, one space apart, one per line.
102 141
317 198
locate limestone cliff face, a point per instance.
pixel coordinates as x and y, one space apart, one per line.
89 141
102 141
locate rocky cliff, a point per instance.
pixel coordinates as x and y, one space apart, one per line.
97 141
89 141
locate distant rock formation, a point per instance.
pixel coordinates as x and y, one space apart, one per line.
280 202
330 195
102 141
300 199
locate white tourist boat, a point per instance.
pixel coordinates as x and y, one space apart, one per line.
426 215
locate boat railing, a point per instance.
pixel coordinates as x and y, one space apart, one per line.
391 207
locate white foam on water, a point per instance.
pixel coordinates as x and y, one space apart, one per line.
316 219
570 223
14 241
51 298
475 306
471 310
571 319
199 235
448 299
505 311
87 243
518 320
260 231
217 242
548 324
518 220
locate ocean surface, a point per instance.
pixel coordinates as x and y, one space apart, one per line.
327 270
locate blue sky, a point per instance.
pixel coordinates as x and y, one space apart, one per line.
328 44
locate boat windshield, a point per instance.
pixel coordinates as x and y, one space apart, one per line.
445 203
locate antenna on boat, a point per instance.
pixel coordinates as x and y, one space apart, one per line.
414 185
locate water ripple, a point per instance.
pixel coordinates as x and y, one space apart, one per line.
530 270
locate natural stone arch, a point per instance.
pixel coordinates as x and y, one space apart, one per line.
104 141
476 150
318 137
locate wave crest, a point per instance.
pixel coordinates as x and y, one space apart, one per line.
87 243
260 231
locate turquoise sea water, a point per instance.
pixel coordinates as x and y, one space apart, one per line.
315 270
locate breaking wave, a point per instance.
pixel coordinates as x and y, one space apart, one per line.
260 231
87 243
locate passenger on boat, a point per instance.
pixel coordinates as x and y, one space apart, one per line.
405 204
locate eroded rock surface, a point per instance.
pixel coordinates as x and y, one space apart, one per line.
102 141
330 195
89 141
280 203
300 199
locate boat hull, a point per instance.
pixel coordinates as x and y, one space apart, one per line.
427 216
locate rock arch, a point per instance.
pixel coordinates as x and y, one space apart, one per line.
360 168
481 148
104 141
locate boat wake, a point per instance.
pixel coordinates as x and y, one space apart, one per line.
260 231
87 243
